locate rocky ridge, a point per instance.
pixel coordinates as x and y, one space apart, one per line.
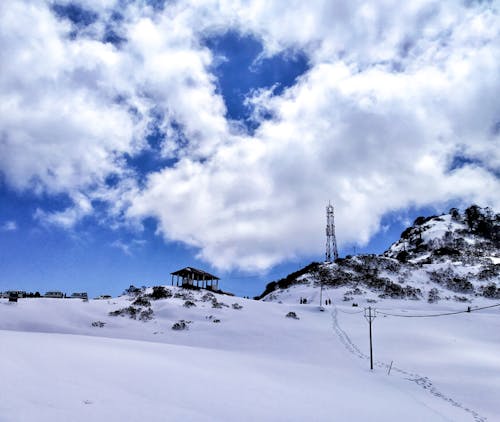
454 256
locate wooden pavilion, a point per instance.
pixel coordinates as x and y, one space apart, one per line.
190 276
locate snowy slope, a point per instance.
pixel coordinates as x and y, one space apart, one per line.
255 364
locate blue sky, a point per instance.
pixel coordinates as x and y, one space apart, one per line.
141 137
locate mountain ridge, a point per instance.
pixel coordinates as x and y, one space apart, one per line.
453 256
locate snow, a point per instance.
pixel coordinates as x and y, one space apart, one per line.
436 228
253 365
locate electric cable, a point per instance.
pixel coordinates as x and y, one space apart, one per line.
469 310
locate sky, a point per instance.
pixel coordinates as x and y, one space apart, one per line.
139 137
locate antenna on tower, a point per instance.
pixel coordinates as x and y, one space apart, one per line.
331 241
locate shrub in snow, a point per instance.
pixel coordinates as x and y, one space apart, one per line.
236 306
160 292
448 278
461 299
433 295
184 295
141 301
403 256
130 311
208 297
218 305
446 251
146 315
99 324
371 301
491 291
355 291
292 315
455 214
211 318
181 325
293 278
132 290
489 272
189 304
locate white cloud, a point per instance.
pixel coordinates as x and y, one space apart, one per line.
395 91
371 139
8 226
127 247
80 208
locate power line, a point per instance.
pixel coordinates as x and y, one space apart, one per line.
468 310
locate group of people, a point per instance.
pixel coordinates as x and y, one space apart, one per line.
303 301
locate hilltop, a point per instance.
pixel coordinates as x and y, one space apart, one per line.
454 256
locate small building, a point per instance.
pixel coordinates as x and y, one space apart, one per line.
81 295
192 277
55 295
16 293
103 297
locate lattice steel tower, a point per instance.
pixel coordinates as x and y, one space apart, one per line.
331 241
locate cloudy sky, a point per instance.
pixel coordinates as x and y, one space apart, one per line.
137 137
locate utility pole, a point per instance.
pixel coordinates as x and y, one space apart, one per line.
321 297
370 317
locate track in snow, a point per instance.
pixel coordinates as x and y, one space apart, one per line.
423 382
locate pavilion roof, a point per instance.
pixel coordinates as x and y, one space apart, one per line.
190 272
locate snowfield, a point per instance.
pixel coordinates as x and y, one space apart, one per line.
253 365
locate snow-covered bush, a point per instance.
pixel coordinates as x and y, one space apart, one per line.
208 297
452 281
141 301
146 315
186 295
130 311
489 272
132 290
491 291
189 304
236 306
433 295
160 292
181 325
218 305
292 315
99 324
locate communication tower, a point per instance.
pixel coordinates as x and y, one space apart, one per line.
331 241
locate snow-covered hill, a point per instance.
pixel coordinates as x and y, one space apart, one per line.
239 359
448 257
